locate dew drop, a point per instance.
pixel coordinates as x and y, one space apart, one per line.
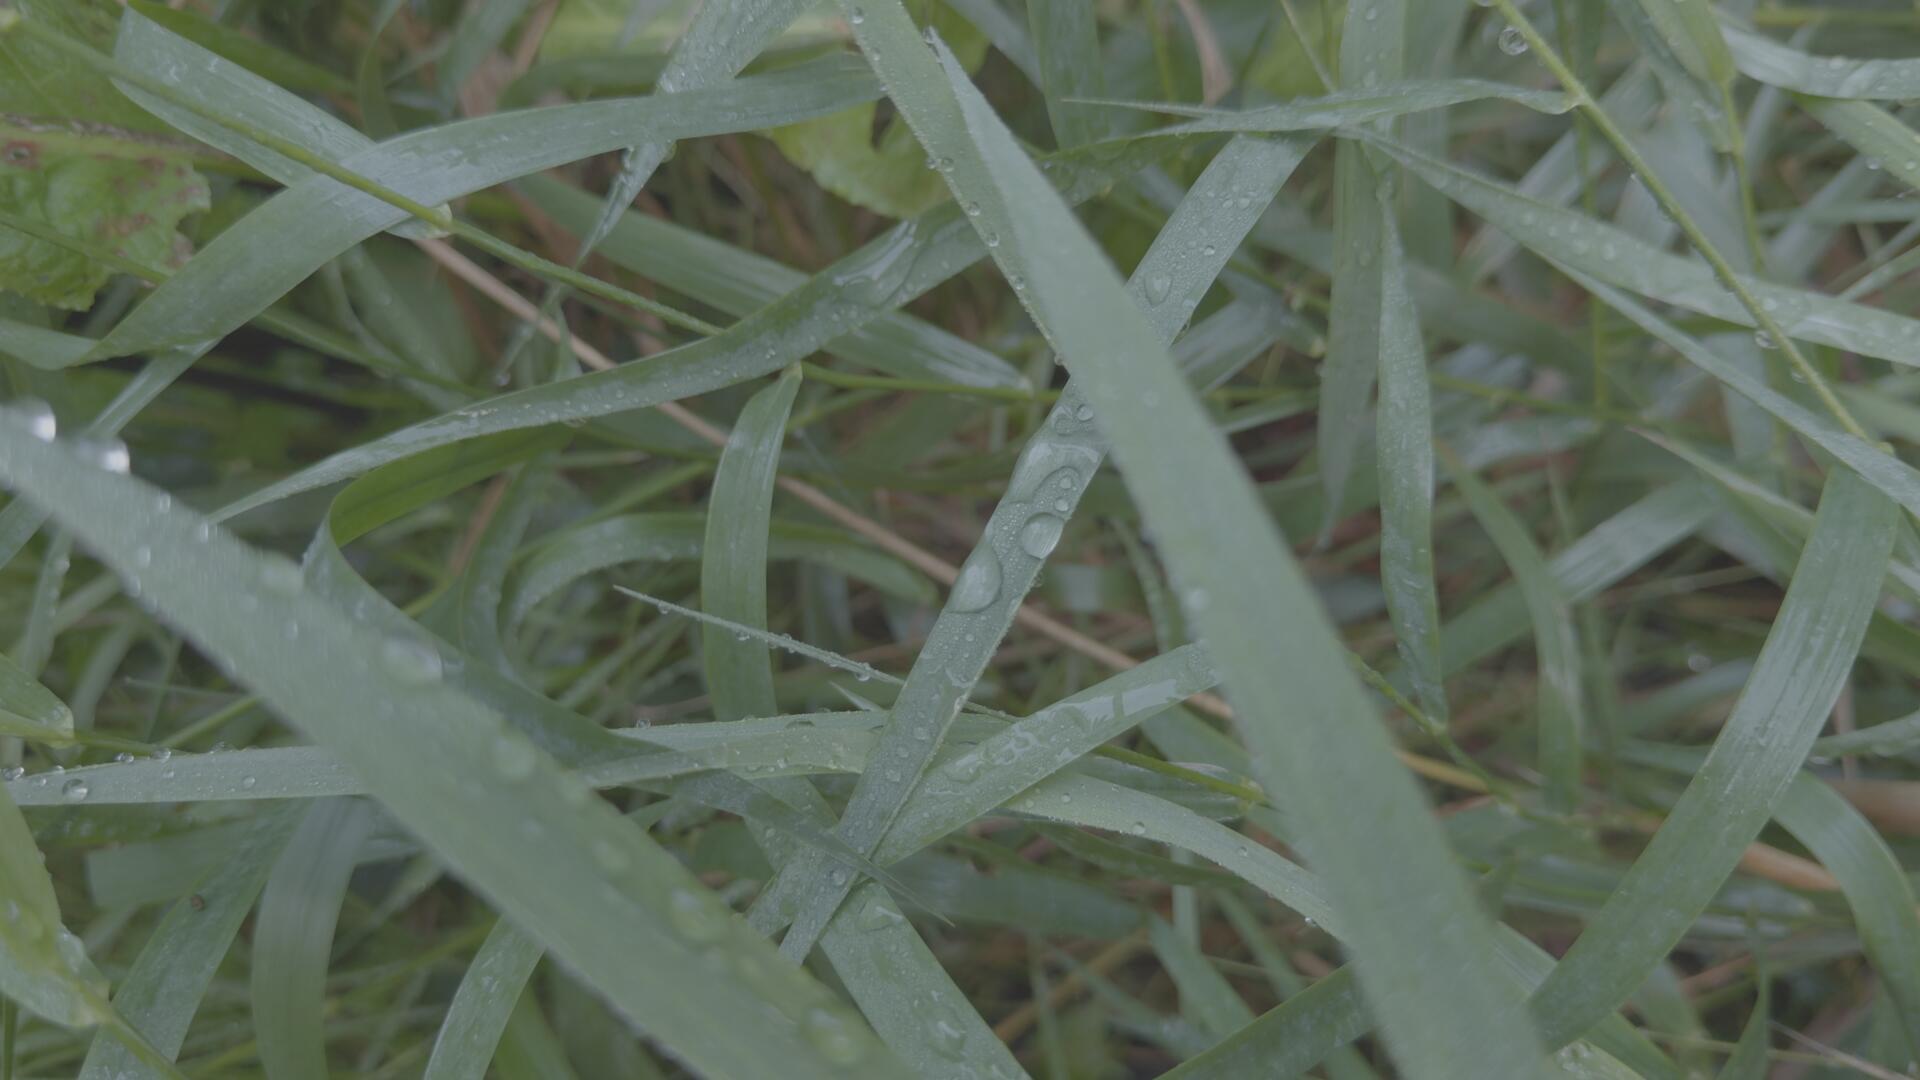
75 790
948 1040
979 581
857 16
1764 340
40 420
965 768
281 576
412 662
114 457
123 758
1041 535
1512 42
1084 412
143 556
1138 828
163 753
1158 287
12 773
248 783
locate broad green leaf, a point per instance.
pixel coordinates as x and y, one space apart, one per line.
587 884
485 999
161 993
1445 1012
1560 708
293 936
733 560
1809 652
78 157
1055 469
29 710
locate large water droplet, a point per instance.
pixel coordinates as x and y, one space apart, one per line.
1512 41
12 773
75 790
875 277
948 1040
1041 535
1158 288
415 663
281 576
979 581
114 457
40 420
836 1039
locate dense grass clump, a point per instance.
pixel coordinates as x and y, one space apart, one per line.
959 538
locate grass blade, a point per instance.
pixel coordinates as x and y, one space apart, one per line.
733 576
1809 652
1282 663
593 889
482 1005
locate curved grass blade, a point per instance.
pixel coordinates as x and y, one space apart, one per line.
29 710
1561 711
1404 458
483 1004
668 536
1066 41
162 991
1808 654
740 282
1054 471
1381 99
293 936
1205 995
889 271
1764 60
562 864
1873 131
387 493
1360 817
43 967
733 560
278 245
1616 257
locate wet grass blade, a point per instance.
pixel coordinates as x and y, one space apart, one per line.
1299 708
1809 651
583 881
482 1005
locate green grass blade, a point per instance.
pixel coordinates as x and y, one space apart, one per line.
733 561
29 710
1404 457
43 967
1066 39
1290 1038
1612 255
1765 60
1205 995
1299 707
741 282
1054 471
1561 708
589 885
293 936
482 1005
1384 99
1875 132
1809 652
279 244
893 269
161 992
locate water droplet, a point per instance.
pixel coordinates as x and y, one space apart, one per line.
1764 340
162 753
1084 412
1512 42
1041 534
973 209
1873 164
857 16
1066 797
248 783
281 576
1019 283
873 277
114 457
1063 505
1158 287
12 773
415 663
697 918
836 1039
123 758
948 1040
965 768
40 420
75 790
1138 828
143 556
979 581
